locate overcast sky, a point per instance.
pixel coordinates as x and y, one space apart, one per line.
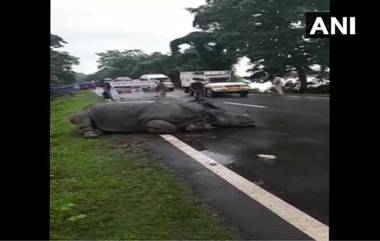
91 26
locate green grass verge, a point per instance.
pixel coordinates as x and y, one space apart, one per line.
102 190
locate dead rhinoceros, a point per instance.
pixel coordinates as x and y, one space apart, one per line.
155 117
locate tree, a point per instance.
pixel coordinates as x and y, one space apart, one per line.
269 32
61 63
205 52
117 63
80 77
56 41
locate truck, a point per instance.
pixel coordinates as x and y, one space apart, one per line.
215 82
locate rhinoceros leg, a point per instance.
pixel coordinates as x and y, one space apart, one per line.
160 126
83 121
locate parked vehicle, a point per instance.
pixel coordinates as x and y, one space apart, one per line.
121 90
156 78
215 82
56 91
76 86
123 78
87 85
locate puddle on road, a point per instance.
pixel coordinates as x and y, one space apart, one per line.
266 158
222 159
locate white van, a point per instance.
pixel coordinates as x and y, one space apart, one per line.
156 78
123 78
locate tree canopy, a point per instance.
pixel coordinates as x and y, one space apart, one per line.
203 53
61 63
206 50
269 32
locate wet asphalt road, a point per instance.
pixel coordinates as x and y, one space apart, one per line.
295 130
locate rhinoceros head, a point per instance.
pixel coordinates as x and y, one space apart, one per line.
224 119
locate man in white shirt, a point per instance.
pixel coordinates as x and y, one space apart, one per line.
277 81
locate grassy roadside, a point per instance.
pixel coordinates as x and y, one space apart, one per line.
102 190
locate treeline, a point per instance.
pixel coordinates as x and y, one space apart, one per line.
61 63
199 55
269 32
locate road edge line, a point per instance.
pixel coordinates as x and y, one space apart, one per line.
305 223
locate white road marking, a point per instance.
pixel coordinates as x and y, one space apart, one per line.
297 96
257 106
300 220
177 96
312 97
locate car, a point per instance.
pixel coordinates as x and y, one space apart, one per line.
87 85
214 88
56 91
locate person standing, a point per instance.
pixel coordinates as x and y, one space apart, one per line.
198 89
162 88
277 81
107 92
